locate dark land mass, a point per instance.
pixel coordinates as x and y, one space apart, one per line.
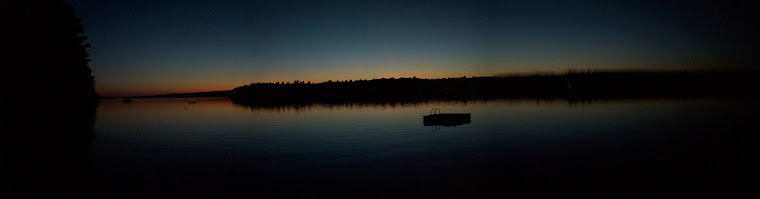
571 86
47 104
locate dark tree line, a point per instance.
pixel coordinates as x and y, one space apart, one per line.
572 85
44 53
47 101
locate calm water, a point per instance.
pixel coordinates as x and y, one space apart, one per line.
212 147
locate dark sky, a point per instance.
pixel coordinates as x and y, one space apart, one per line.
154 47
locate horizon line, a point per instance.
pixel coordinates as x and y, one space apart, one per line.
505 74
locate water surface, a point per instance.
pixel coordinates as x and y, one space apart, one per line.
214 146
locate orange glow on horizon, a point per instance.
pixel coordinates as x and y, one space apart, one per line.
148 89
141 91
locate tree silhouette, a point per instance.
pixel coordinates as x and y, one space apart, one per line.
45 52
47 101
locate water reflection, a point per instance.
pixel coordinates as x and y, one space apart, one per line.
156 147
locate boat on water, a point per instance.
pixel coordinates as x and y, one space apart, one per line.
436 118
126 100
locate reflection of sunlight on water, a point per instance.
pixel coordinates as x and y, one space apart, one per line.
218 117
177 113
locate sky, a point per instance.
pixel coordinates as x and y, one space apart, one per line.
176 46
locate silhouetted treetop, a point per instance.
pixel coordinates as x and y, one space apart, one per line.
45 53
571 85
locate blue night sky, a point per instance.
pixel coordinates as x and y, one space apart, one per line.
156 47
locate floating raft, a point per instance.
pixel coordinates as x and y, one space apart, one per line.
445 119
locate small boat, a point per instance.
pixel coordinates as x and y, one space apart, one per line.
436 118
126 100
192 102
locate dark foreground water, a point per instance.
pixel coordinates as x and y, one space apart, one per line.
212 148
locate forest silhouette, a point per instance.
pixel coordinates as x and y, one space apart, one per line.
573 85
45 53
48 101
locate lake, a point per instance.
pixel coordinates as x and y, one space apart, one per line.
214 147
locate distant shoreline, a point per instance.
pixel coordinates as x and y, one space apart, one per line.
571 86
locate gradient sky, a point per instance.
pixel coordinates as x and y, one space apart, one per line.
156 47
